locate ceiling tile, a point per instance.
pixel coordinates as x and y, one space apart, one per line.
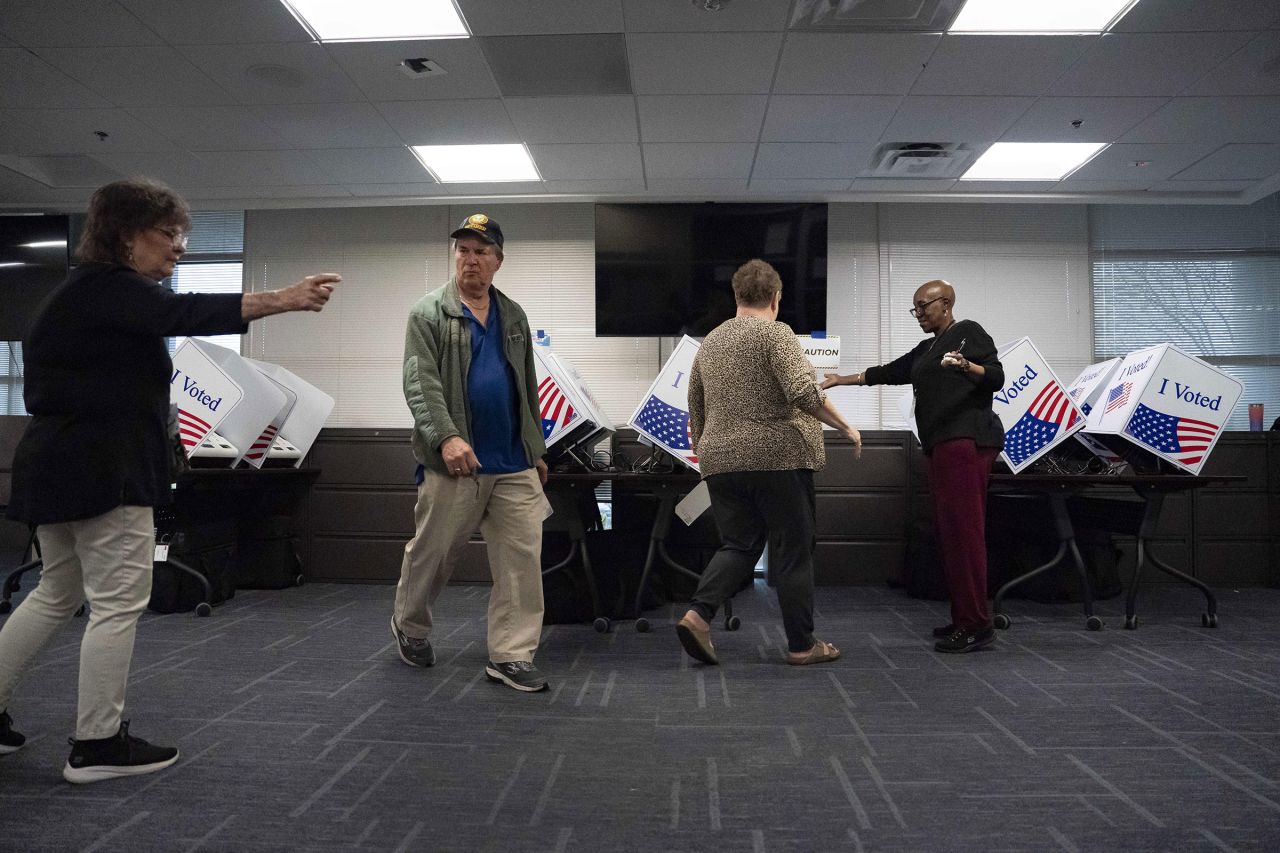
72 23
14 185
448 123
605 118
1192 187
75 132
701 118
400 188
852 63
1147 63
1072 185
923 185
1253 70
487 190
371 165
262 168
1117 162
4 42
221 22
1152 16
828 118
588 162
1235 163
175 168
698 160
1103 119
828 160
28 81
702 63
138 76
375 68
602 188
352 125
1245 119
270 194
275 73
62 170
697 189
933 118
212 128
736 16
797 186
519 17
966 64
538 66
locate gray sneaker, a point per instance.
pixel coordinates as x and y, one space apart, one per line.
413 651
519 674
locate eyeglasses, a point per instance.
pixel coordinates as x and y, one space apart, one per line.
919 309
175 235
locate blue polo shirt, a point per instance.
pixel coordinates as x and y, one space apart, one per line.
491 389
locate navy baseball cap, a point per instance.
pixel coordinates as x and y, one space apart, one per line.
479 225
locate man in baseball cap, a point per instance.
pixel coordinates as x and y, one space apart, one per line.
480 225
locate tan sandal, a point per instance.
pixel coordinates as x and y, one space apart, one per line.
822 652
696 642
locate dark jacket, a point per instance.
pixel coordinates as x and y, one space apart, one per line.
437 356
950 404
97 387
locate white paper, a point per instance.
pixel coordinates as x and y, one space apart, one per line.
694 504
162 553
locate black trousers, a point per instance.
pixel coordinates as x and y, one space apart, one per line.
753 508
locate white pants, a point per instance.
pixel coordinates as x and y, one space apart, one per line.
107 561
508 509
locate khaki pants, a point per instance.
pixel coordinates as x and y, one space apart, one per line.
107 561
508 509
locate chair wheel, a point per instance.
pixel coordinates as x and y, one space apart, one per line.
642 625
299 580
1209 620
1001 621
203 609
1093 623
1130 622
733 623
602 625
5 606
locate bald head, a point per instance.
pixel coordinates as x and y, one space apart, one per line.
936 289
933 301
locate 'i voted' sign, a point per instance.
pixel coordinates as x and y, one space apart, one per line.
1035 409
663 415
202 391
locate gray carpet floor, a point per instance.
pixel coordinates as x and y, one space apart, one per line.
300 729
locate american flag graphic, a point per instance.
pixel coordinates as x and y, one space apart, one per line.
191 429
260 447
556 410
1086 408
1038 427
1186 440
668 425
1118 396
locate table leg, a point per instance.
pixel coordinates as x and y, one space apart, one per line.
1146 531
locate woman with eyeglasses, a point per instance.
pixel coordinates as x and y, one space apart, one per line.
953 375
94 459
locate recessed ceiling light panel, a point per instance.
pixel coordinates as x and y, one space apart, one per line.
1032 161
453 164
1040 16
379 20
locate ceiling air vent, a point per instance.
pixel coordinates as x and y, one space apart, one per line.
919 160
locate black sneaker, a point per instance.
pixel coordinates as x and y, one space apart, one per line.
520 674
964 640
113 757
10 741
413 651
944 630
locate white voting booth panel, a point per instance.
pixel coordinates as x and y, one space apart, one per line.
1086 389
1167 402
298 424
570 414
200 368
662 418
1036 411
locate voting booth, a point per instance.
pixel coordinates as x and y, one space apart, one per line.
662 418
572 420
1035 409
1085 390
295 428
1166 402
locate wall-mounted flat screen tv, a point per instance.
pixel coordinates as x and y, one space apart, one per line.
33 261
666 269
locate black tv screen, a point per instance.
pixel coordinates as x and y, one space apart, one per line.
667 269
33 261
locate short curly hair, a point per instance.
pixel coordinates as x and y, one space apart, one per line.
754 284
121 209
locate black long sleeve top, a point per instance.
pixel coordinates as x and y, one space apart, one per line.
950 404
97 387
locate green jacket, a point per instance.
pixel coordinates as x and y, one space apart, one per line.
437 356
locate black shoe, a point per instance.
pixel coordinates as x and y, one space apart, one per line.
964 640
944 630
10 741
413 651
520 674
116 756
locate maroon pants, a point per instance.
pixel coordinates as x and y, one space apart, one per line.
959 471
